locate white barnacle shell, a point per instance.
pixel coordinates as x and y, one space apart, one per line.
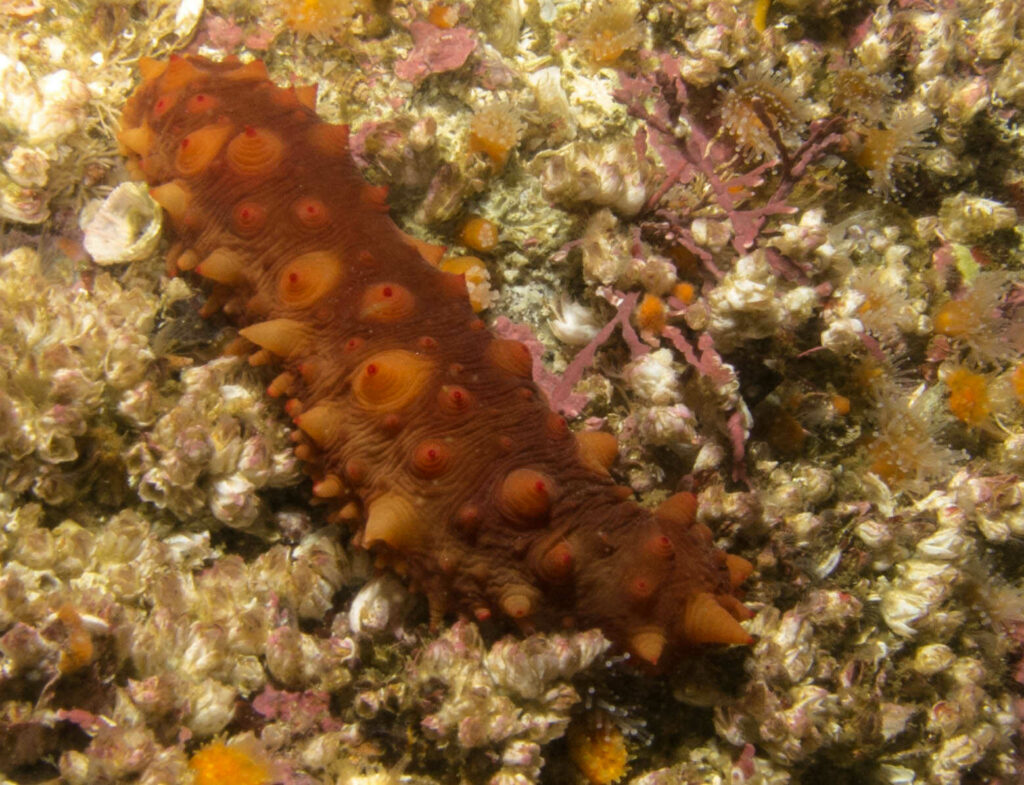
901 609
27 167
933 658
22 205
125 227
377 606
744 305
654 378
966 218
574 323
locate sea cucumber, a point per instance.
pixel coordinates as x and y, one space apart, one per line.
423 430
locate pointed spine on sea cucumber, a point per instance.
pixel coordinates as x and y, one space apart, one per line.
648 644
223 266
387 302
179 72
704 620
679 509
555 564
174 197
512 357
390 380
306 279
597 450
283 337
137 140
255 152
393 520
197 150
320 424
525 496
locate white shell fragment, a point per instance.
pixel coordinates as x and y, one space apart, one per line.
125 227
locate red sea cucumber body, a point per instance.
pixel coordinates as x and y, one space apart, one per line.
415 421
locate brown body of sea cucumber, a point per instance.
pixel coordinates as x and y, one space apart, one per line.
420 426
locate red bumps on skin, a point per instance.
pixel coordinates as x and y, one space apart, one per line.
556 563
311 213
706 621
660 545
452 399
255 152
306 279
431 458
512 357
641 585
525 496
248 218
387 302
197 150
164 104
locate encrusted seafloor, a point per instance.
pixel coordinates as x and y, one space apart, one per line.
775 246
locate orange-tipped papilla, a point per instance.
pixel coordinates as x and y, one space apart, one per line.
704 620
283 337
598 450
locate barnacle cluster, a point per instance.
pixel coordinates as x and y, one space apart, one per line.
208 455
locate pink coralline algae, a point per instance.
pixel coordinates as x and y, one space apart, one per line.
435 51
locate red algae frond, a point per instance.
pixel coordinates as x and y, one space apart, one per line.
608 31
758 108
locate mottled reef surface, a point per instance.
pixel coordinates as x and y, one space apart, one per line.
774 246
